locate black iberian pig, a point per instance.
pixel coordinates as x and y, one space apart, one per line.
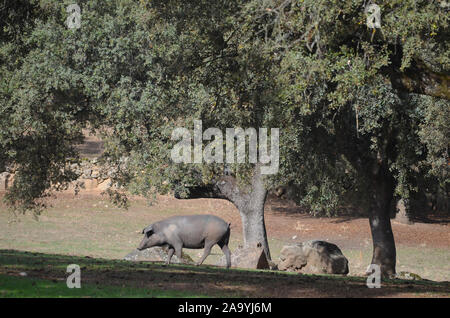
190 231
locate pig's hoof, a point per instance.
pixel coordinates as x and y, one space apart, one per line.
197 264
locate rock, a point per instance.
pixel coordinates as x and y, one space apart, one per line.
252 257
4 181
156 254
87 173
280 191
95 174
104 185
313 257
408 276
90 184
272 265
111 173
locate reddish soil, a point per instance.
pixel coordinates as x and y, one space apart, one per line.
285 220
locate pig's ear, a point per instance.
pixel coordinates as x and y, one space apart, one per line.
148 230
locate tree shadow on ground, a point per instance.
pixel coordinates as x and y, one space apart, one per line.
284 206
431 219
289 208
209 280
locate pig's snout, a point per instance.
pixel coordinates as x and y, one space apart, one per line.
142 245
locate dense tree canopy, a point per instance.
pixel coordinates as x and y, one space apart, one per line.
363 112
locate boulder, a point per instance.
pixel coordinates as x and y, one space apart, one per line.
156 254
5 180
90 184
408 276
95 174
251 257
87 173
105 185
313 257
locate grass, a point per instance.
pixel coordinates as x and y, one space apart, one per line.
88 231
427 262
46 277
49 277
18 287
84 226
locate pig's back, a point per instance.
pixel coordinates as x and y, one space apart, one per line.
196 220
195 229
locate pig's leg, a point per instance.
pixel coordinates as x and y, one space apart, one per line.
170 254
207 250
178 248
227 253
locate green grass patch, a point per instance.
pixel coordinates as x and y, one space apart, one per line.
46 277
19 287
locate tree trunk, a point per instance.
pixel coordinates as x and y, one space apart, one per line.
250 205
254 229
251 208
418 78
384 253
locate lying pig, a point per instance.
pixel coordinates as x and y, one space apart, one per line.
190 231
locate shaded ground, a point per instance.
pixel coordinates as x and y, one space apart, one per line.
180 280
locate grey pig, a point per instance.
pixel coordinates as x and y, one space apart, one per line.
190 231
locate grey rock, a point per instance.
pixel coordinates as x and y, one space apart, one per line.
111 173
95 174
313 257
251 257
408 276
4 180
87 173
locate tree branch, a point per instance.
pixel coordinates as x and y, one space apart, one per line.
224 188
420 79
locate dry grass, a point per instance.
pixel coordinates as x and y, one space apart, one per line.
90 225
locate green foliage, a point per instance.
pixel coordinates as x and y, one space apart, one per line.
337 91
136 70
